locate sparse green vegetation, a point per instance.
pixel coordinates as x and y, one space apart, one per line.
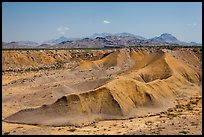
148 123
6 133
172 115
194 102
189 108
155 133
53 66
72 129
184 132
194 124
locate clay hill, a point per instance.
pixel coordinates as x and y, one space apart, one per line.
80 87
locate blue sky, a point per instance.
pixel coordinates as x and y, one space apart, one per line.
37 21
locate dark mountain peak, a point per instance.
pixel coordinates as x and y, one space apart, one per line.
100 35
125 34
165 37
168 36
86 38
100 38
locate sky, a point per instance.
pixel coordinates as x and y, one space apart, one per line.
42 21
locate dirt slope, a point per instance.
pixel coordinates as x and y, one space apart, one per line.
137 82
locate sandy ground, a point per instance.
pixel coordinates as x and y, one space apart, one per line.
183 119
33 89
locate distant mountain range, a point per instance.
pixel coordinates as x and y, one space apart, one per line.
100 40
165 37
59 40
123 34
20 44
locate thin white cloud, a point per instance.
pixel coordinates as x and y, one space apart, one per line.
62 30
192 24
106 22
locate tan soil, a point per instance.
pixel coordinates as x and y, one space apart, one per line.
103 91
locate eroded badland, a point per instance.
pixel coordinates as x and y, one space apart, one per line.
146 90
